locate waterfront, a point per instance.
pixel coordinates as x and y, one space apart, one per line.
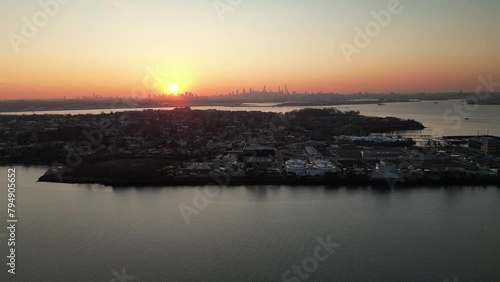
483 120
83 232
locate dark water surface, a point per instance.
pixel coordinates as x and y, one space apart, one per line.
85 232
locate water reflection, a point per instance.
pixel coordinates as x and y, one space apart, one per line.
254 233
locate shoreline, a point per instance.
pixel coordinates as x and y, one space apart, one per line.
228 104
193 105
277 181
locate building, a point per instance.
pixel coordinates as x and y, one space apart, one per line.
382 155
199 168
490 145
320 168
309 168
296 167
260 162
485 144
312 152
259 151
385 171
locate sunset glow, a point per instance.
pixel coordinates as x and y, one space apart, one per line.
106 47
174 89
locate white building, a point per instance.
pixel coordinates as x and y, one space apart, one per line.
311 168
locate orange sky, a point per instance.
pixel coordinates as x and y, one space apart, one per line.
110 47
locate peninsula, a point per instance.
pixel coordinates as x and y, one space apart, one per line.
209 147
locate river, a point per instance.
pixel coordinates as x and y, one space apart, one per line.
94 233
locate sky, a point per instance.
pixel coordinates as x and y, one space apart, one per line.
127 47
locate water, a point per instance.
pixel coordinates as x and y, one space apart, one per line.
483 119
84 232
445 117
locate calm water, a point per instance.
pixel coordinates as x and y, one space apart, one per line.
84 232
484 119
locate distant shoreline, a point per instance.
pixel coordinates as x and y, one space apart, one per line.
169 106
315 104
254 99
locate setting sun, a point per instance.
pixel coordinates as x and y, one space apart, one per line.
173 88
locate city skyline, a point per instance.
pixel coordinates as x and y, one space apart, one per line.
114 47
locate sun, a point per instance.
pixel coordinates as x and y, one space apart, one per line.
173 88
